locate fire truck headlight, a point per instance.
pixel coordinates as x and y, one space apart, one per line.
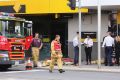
4 59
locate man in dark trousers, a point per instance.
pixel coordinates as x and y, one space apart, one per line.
108 43
76 49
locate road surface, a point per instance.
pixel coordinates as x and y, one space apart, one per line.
43 74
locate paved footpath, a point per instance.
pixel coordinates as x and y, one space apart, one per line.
90 68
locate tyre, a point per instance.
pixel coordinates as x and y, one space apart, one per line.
5 67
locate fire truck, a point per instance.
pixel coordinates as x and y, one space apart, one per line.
15 39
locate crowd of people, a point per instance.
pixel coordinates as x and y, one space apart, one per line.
110 44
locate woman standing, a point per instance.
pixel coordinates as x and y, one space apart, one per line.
88 49
117 49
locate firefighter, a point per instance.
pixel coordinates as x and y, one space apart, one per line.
56 54
36 48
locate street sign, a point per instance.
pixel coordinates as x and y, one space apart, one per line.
14 6
17 6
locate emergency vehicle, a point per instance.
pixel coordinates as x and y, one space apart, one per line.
15 39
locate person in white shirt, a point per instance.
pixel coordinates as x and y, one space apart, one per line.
76 49
88 42
108 43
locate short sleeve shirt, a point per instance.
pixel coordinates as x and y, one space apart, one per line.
36 43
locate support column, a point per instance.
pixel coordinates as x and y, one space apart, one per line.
79 32
99 34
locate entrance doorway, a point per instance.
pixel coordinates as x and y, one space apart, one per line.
61 28
48 25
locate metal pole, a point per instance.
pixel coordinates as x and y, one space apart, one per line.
99 33
23 26
79 32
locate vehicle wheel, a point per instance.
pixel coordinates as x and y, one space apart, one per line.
4 67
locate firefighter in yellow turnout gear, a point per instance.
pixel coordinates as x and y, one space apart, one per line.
56 54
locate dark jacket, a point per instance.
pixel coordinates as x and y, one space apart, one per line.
117 47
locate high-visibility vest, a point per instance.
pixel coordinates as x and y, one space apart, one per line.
57 46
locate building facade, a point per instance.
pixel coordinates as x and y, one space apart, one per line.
52 17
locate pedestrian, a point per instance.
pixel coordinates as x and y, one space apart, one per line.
36 47
88 42
56 54
117 49
108 43
105 58
76 49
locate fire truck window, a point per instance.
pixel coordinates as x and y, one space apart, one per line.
11 26
27 29
10 29
19 28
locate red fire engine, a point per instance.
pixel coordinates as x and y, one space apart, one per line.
15 39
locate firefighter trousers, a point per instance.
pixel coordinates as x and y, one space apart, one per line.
35 55
56 57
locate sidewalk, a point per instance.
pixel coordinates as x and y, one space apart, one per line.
89 68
